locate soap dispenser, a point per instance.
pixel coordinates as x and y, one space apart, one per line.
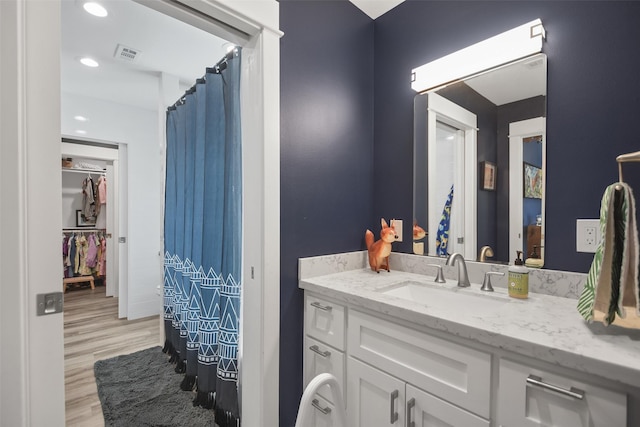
518 278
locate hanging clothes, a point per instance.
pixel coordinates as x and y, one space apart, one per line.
88 198
203 240
84 254
100 194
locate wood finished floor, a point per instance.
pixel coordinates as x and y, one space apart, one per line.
92 331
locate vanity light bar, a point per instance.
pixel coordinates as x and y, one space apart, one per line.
507 47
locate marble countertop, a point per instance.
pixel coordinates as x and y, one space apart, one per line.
544 327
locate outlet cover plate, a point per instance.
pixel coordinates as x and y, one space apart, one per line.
587 235
397 225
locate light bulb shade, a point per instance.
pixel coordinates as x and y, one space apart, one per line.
506 47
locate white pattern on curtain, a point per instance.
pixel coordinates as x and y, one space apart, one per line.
203 240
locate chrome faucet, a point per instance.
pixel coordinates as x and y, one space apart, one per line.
463 276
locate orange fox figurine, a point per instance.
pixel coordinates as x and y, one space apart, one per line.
418 232
379 251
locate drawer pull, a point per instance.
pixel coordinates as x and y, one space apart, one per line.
317 305
392 412
410 404
316 404
316 350
572 392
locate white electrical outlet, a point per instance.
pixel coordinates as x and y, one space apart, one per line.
587 235
397 225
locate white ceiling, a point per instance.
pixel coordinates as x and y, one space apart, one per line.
166 45
376 8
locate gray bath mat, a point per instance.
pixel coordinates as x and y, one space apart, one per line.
142 389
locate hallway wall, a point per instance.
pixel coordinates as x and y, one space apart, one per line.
138 128
326 155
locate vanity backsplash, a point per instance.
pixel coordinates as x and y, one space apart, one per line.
549 282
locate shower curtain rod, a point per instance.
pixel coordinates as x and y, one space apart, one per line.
216 69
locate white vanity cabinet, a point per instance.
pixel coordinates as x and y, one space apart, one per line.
324 325
530 397
405 375
379 399
396 374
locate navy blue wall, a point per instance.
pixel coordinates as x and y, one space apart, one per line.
593 100
346 161
326 155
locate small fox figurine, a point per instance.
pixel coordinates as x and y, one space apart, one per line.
418 232
379 251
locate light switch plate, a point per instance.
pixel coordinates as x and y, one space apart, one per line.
587 235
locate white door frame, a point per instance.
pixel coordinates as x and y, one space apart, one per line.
112 156
32 366
443 110
517 132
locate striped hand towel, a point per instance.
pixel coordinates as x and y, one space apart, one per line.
612 282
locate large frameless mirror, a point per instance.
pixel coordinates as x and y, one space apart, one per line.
479 164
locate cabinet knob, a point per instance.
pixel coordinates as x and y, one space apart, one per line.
316 404
393 414
317 350
319 306
410 404
572 392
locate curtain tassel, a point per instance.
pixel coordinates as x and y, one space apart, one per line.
204 399
168 347
174 355
226 419
188 383
181 367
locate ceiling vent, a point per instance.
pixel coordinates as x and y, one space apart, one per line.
126 53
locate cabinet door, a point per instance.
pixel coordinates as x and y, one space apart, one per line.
375 398
530 397
426 410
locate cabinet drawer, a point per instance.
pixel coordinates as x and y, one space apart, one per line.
453 372
320 358
324 320
529 397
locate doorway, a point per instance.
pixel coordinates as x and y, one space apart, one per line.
260 365
452 182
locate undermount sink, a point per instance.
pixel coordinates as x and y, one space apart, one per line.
447 296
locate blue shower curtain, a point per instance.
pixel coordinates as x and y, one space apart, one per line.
203 238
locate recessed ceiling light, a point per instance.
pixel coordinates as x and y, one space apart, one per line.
89 62
80 118
81 132
96 9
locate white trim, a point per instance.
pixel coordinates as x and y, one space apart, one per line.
260 318
14 369
518 131
35 365
443 110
